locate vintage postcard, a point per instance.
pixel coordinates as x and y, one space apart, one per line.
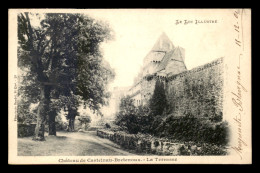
129 86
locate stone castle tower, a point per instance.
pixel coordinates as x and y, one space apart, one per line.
163 59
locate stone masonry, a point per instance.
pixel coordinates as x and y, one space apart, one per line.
198 91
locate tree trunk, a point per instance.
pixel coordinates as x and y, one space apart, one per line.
52 125
71 124
69 127
41 113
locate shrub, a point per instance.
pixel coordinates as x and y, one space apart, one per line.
107 125
84 120
25 113
131 118
205 149
189 128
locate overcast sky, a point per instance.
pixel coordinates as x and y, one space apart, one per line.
137 31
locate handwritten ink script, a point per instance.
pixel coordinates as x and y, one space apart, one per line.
237 95
196 22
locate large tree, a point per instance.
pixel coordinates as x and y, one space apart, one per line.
62 54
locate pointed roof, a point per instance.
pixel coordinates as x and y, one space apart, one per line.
177 55
165 60
163 43
160 48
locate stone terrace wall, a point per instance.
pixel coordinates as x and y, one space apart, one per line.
142 143
198 91
148 144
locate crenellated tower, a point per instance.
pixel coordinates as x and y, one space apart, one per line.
153 59
164 58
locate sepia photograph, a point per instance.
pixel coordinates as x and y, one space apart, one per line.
129 86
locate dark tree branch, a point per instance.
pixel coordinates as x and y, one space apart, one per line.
24 21
30 33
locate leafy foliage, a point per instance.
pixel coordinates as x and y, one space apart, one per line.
189 128
62 57
126 118
132 119
158 101
25 114
84 119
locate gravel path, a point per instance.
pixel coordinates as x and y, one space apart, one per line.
70 144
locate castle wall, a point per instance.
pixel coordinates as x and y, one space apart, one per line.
137 99
151 68
175 67
148 86
135 93
197 91
147 89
